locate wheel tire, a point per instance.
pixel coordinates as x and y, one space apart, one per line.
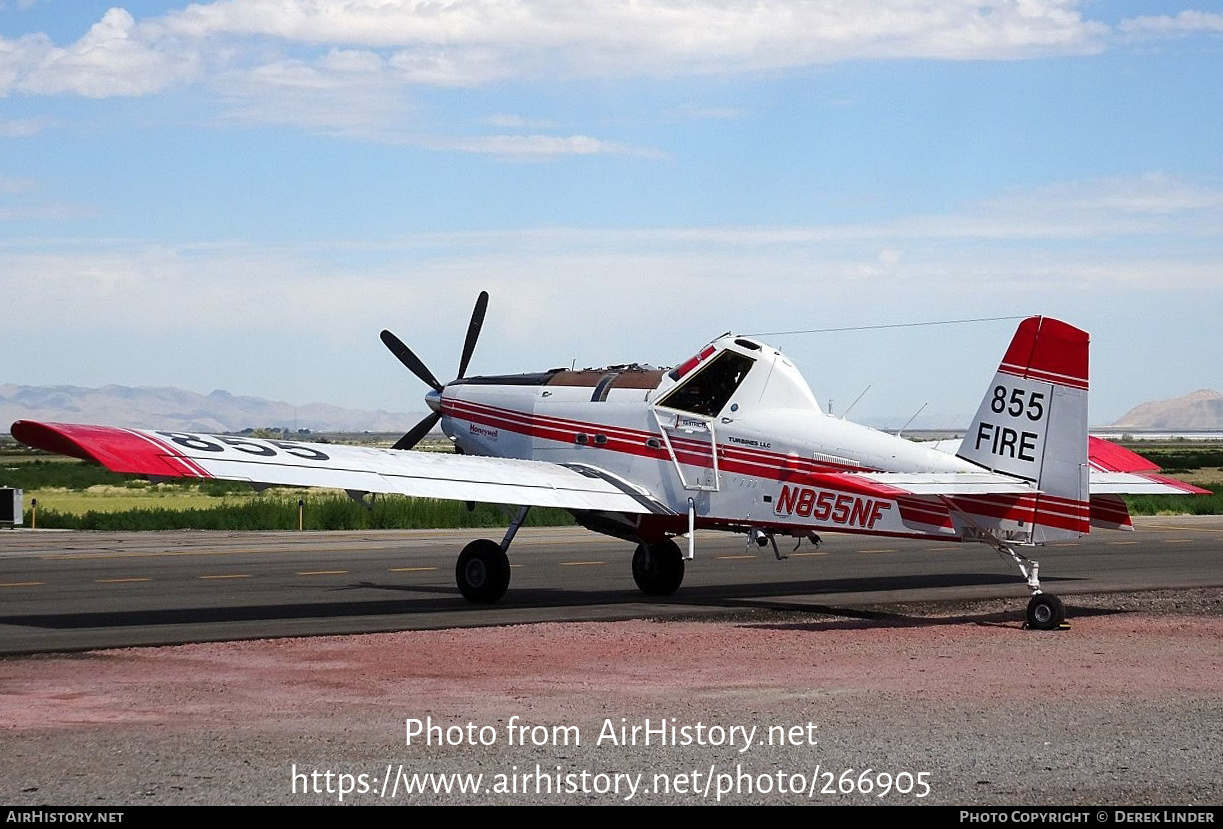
658 570
482 572
1045 612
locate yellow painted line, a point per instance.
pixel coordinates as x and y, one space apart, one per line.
589 538
322 573
580 563
160 554
745 555
877 551
229 576
413 569
20 583
119 581
1123 543
820 553
1180 529
953 547
1178 540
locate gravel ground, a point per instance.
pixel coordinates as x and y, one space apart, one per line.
1125 708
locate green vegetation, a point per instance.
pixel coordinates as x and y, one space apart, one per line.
78 475
1178 504
322 511
1175 459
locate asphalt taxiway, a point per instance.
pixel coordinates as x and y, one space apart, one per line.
63 591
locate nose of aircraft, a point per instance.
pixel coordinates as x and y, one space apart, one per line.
434 399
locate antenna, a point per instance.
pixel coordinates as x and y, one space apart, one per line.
855 403
877 327
914 417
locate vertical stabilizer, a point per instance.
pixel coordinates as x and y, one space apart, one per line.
1033 424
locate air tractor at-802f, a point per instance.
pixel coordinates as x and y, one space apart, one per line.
731 439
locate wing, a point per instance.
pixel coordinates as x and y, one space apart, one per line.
354 468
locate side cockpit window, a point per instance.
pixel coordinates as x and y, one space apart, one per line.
711 387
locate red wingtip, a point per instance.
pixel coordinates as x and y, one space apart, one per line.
117 449
1047 349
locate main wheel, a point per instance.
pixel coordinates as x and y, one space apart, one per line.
482 572
659 569
1046 612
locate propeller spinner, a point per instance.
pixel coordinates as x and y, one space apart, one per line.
414 364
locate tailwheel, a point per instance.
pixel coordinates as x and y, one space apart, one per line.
659 568
482 572
1046 612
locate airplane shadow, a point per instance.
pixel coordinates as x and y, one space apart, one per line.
445 601
856 619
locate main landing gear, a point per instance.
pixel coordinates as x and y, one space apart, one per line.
482 572
658 568
1045 611
483 569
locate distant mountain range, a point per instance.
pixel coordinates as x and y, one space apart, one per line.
1202 409
169 408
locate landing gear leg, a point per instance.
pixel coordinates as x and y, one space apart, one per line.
659 568
1045 611
483 569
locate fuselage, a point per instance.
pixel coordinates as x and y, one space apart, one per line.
734 433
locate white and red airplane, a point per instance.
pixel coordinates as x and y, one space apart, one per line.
731 439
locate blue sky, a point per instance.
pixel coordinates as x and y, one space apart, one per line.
240 194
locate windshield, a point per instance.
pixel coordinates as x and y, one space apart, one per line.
707 391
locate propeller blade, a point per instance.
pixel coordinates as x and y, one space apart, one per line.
473 331
418 431
410 360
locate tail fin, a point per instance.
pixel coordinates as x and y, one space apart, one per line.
1032 424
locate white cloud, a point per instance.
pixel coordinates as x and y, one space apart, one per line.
507 120
1185 22
1105 254
526 147
10 186
437 42
981 245
660 37
23 127
115 57
706 113
1154 203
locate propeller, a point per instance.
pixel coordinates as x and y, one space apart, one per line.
410 360
415 365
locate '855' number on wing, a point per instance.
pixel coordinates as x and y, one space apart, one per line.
264 448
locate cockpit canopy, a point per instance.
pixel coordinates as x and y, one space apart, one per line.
707 390
738 372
